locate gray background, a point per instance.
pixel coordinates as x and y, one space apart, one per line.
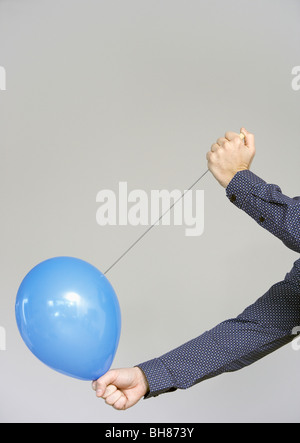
105 91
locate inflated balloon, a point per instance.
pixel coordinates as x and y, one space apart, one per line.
69 316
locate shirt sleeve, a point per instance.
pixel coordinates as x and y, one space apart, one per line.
266 204
264 326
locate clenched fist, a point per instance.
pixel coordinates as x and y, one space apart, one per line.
231 154
121 388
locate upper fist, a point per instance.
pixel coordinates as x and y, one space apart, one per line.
231 154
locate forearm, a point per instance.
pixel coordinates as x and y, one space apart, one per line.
261 329
264 326
266 204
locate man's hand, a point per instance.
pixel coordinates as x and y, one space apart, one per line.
230 155
121 388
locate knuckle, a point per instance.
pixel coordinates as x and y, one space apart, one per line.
120 404
98 386
211 157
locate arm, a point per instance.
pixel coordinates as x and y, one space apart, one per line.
229 161
266 325
261 329
266 204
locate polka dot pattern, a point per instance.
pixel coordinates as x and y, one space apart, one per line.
266 204
264 326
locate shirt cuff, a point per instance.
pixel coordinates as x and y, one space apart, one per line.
241 186
159 378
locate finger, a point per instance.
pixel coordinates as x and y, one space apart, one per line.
111 389
112 399
221 141
231 135
101 384
121 403
249 138
215 147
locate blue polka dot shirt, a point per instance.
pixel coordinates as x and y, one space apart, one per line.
263 327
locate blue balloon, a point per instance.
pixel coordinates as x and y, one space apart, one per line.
69 316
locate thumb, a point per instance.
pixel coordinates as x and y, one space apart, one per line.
249 139
101 384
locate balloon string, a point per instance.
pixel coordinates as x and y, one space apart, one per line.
157 221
